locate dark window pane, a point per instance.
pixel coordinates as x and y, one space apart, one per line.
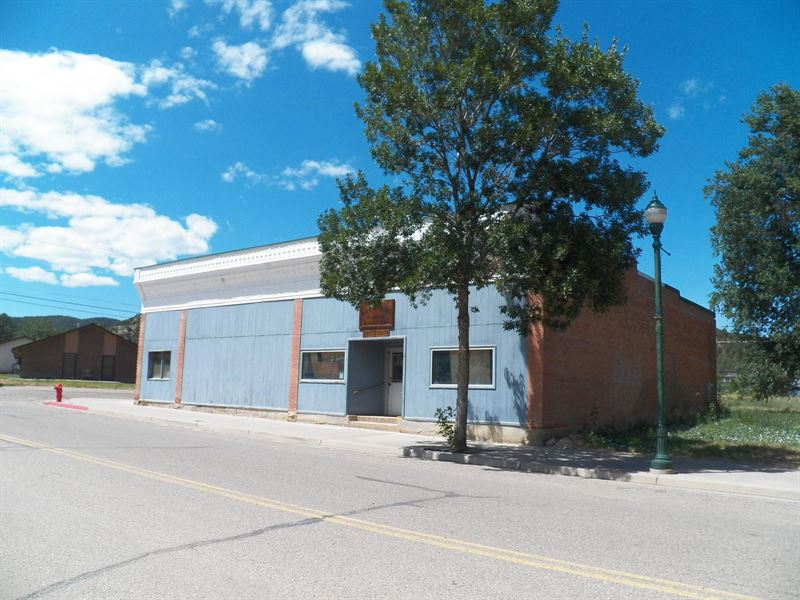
397 367
444 367
158 365
323 365
480 367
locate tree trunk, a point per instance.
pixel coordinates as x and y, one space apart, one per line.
460 437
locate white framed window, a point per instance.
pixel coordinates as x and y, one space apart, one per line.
158 364
322 365
444 367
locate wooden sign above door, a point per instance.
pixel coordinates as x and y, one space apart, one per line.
376 321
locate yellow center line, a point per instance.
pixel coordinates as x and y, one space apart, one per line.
624 578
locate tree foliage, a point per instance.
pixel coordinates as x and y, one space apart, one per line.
7 329
507 142
757 240
37 328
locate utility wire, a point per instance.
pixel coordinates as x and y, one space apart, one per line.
71 309
70 296
66 302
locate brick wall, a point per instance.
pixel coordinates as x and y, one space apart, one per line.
601 370
90 352
125 364
44 359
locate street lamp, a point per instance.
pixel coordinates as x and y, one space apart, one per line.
656 214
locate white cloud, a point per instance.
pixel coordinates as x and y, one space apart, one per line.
86 280
307 175
690 87
183 87
176 6
241 170
326 168
32 274
9 238
331 54
188 53
208 126
320 47
676 111
694 87
196 31
300 22
58 108
246 62
693 92
251 12
14 167
97 235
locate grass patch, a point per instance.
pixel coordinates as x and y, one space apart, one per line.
744 431
15 380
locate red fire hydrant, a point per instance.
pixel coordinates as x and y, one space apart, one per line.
59 392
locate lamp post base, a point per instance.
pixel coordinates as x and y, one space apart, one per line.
661 465
661 471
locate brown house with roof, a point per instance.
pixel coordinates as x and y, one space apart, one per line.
88 352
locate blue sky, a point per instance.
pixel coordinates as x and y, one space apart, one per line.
140 132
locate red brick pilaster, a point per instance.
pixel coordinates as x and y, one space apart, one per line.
139 366
179 365
294 360
536 377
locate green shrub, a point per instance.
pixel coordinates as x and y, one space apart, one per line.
445 419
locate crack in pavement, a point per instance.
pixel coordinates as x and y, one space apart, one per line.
53 587
190 546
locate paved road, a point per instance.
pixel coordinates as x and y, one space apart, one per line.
98 507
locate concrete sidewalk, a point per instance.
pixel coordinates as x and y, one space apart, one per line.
718 476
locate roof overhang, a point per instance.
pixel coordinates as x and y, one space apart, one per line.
262 274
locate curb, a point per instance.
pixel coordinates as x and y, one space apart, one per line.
514 464
66 405
198 426
476 459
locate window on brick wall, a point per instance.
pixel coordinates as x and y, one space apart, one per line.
158 364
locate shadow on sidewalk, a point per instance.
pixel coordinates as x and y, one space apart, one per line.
615 465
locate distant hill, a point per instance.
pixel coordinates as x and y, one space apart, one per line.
128 329
43 326
63 323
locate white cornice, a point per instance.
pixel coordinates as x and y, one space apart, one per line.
203 303
249 257
265 274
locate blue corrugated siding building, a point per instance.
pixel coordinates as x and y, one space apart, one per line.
250 330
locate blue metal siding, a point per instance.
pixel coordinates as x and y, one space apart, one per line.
326 398
160 333
329 323
238 355
436 325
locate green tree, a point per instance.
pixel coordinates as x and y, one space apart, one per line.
506 141
7 331
37 328
757 240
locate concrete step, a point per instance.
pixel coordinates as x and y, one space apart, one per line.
379 423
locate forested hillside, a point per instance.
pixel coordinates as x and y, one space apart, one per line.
40 327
